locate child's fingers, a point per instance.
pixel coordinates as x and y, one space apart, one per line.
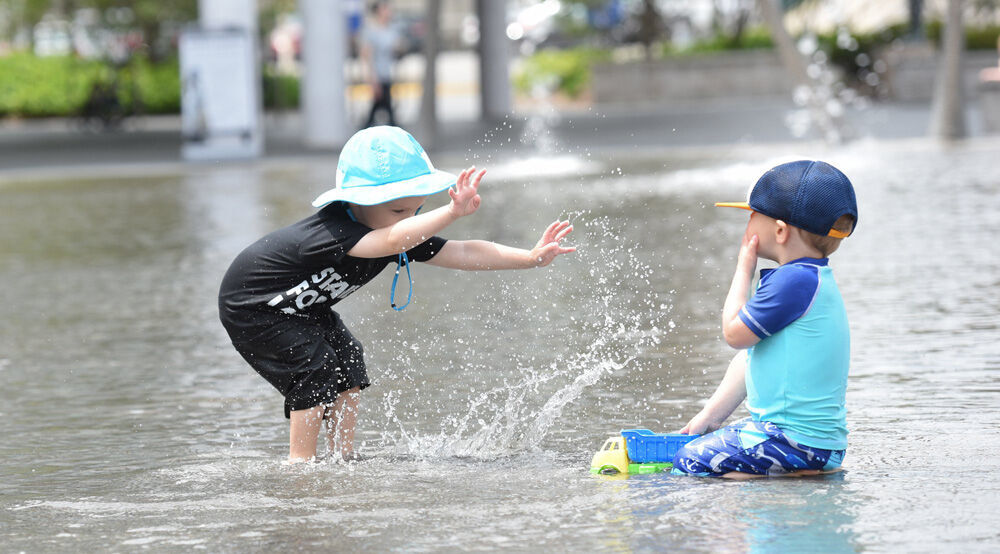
562 230
565 231
478 178
549 252
554 249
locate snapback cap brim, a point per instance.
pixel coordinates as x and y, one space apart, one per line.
740 205
746 206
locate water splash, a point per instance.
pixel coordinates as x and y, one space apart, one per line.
536 152
516 414
537 132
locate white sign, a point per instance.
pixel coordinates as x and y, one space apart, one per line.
220 114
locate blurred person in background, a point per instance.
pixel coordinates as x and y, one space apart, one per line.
380 39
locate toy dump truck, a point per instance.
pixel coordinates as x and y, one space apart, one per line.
638 451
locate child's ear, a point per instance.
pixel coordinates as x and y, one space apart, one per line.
781 232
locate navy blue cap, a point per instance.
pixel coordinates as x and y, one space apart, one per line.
810 195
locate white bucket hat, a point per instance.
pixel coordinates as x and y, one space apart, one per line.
384 163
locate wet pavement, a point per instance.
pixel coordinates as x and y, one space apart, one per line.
131 423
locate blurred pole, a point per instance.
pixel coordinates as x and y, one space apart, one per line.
830 124
324 47
494 60
916 33
428 104
222 14
948 110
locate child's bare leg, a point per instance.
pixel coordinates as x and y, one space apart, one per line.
341 419
304 426
738 475
741 476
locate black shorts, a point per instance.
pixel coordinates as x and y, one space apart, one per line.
309 360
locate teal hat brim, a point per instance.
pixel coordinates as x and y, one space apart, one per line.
424 185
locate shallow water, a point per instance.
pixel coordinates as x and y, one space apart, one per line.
130 423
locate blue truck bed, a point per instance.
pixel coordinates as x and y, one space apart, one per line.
645 446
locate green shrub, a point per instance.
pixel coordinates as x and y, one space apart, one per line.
982 38
567 71
754 38
60 86
281 92
158 85
32 87
976 37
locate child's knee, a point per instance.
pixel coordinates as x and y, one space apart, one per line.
834 462
687 461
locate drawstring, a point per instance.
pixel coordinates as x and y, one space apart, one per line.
401 261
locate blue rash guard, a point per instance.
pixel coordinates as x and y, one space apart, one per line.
797 374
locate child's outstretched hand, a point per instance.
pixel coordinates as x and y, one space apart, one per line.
465 194
548 246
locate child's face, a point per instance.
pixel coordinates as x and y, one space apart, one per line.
389 213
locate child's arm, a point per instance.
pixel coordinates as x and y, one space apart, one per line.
731 392
481 254
736 333
411 231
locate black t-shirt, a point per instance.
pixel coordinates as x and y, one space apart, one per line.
303 269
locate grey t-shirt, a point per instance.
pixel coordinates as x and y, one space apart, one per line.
383 42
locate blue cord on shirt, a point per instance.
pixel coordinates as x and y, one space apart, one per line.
401 261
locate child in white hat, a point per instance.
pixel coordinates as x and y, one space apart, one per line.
276 301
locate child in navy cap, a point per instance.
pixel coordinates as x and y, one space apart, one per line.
277 298
793 374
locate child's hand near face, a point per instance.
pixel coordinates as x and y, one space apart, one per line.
747 261
548 246
736 333
465 198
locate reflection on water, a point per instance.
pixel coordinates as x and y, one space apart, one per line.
129 421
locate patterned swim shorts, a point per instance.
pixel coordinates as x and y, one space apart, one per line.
749 446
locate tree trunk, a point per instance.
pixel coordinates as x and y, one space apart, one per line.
830 124
948 111
649 27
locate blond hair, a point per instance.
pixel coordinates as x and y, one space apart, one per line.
828 245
